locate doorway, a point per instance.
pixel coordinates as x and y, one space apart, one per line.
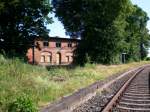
58 58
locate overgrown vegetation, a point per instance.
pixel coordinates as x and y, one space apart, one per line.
22 104
42 86
107 29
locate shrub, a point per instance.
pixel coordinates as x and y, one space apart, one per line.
147 59
22 104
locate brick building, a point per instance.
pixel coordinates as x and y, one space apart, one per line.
54 51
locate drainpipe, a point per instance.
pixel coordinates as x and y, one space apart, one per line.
33 54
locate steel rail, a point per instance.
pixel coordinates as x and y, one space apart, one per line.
116 97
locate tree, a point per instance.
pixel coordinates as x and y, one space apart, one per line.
106 28
137 36
98 23
22 21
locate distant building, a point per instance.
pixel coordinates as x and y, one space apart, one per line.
54 51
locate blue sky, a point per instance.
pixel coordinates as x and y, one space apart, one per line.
57 28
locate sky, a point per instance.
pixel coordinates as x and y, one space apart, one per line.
57 29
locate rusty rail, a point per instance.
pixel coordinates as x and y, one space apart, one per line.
116 97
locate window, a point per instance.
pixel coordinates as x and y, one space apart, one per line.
58 44
69 44
42 59
45 44
71 58
67 58
48 59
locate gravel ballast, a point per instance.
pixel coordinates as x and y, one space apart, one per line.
92 98
97 103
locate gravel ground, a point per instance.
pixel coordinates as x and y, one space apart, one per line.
97 103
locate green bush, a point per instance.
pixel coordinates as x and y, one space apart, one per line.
147 59
22 104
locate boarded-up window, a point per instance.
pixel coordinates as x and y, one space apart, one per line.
67 58
48 58
42 59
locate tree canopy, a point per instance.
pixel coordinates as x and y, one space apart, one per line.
137 36
105 28
21 21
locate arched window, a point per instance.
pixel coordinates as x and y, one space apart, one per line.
42 59
69 56
67 59
46 57
49 58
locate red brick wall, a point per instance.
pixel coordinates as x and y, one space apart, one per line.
52 51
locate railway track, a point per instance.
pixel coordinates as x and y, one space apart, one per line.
133 96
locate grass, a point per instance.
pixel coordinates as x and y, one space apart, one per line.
43 86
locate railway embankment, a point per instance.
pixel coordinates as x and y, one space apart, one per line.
94 97
45 87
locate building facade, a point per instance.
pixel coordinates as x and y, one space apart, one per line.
54 51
